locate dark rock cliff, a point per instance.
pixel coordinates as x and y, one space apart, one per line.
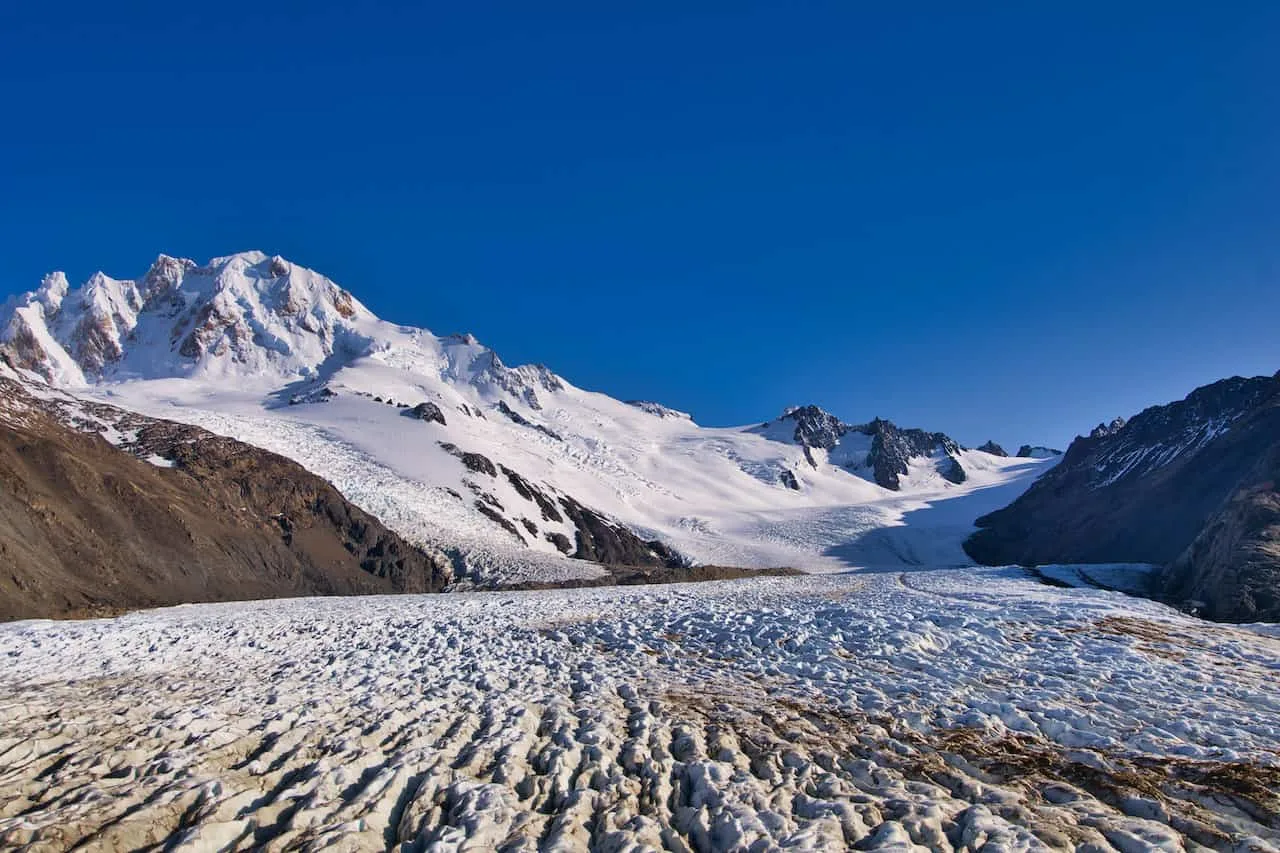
1189 485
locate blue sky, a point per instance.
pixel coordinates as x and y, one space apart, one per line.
1009 223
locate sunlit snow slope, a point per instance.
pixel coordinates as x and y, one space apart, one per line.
277 355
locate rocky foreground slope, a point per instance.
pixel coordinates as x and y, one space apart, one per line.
1191 485
170 513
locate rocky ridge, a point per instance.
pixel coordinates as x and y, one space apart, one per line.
891 451
1190 485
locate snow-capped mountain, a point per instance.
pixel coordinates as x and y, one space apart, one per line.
514 468
244 317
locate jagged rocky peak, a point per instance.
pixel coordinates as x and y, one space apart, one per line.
816 427
893 448
890 451
244 317
164 277
993 448
247 308
659 410
53 289
522 382
1104 430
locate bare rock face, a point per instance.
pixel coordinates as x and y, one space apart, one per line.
659 410
545 504
23 346
1104 430
1189 485
599 539
815 427
1231 571
175 515
993 448
603 540
479 463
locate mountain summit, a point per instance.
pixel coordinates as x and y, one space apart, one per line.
245 314
248 316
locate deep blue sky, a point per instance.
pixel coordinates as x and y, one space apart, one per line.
1005 224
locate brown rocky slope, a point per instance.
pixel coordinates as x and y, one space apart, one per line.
88 526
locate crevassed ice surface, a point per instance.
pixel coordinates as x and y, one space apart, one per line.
927 710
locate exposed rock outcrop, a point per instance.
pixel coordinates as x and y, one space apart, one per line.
427 411
816 427
599 539
530 492
1232 569
892 447
993 448
1104 430
603 540
517 418
659 410
317 395
892 450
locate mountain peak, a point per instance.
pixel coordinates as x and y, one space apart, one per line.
252 316
815 427
165 273
245 313
1103 430
53 289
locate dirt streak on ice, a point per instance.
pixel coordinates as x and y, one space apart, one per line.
933 710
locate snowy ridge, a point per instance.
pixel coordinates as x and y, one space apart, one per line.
1162 435
230 345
